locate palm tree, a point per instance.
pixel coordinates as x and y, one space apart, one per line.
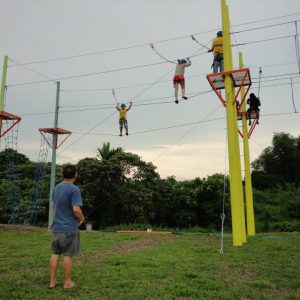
106 152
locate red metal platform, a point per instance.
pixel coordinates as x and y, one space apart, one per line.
253 116
240 77
55 131
4 115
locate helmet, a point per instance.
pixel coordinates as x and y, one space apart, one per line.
183 61
252 95
219 33
123 105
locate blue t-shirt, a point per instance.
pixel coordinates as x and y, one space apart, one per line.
64 196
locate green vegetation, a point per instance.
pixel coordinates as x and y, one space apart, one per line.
126 266
119 189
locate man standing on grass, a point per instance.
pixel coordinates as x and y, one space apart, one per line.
67 217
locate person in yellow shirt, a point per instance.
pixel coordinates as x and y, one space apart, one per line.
217 49
122 117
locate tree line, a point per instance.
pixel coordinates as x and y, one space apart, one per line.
119 188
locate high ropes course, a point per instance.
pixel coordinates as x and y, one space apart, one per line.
231 87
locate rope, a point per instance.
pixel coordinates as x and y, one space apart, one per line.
88 74
233 34
165 59
264 40
263 27
92 128
195 40
173 62
188 132
151 85
222 215
145 44
101 122
293 99
177 125
113 92
162 81
31 70
259 81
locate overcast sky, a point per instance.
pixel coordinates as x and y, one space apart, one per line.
35 30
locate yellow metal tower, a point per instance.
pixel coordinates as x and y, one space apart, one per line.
238 224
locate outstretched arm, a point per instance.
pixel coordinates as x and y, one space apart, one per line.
188 62
212 48
130 104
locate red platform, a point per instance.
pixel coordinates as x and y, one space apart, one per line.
4 115
55 131
240 77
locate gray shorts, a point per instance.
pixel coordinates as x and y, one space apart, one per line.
123 122
66 243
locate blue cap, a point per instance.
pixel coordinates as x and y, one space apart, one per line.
183 61
219 33
123 105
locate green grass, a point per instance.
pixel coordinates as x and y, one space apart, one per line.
127 266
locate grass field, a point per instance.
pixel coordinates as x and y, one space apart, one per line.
131 266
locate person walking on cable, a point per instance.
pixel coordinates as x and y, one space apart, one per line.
178 78
123 117
254 103
217 49
67 217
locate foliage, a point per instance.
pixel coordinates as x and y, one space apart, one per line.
281 161
105 152
120 189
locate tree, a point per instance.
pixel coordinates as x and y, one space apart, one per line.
106 152
281 160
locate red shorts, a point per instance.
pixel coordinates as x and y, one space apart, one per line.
178 79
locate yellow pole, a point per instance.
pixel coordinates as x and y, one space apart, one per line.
3 86
241 206
233 149
3 83
248 181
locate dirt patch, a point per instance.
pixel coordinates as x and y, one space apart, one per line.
127 248
141 244
21 228
238 272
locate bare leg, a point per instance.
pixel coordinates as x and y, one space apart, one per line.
67 264
53 267
182 85
121 128
126 128
176 92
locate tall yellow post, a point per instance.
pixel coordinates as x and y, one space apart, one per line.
3 85
233 145
248 181
3 82
241 206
